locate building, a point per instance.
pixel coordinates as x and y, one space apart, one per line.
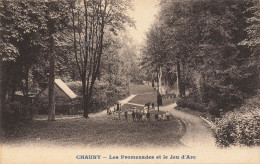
61 91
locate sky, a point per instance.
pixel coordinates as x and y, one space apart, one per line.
143 14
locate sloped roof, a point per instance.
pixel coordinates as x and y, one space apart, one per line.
65 88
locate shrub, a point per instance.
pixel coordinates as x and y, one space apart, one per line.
242 126
192 103
239 128
10 114
213 108
181 102
14 112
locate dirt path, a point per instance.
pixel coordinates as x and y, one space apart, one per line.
197 133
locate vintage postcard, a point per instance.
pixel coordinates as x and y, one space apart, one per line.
130 81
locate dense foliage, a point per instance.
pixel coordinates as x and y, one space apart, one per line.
242 126
43 40
212 47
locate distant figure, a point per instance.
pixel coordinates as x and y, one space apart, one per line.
117 106
148 116
148 105
156 116
133 115
138 116
126 114
168 116
152 105
119 115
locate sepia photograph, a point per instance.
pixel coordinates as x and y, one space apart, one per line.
129 81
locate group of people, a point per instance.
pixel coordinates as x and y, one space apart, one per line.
117 109
138 115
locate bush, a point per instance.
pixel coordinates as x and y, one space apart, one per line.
242 126
181 102
61 107
10 114
192 103
14 112
239 128
213 109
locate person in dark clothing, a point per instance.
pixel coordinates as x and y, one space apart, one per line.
137 116
126 114
152 105
148 105
148 116
156 116
117 106
133 115
140 116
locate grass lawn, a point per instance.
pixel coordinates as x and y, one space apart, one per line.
152 98
140 89
102 130
98 131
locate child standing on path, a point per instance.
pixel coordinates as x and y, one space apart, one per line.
133 115
126 114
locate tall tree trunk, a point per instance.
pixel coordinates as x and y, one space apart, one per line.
29 111
202 87
85 98
51 96
13 89
2 94
160 80
179 93
158 91
27 84
183 80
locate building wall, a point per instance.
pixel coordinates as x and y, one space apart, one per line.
58 92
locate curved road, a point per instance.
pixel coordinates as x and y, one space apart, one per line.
197 132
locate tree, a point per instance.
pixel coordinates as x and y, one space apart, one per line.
89 23
56 20
208 43
30 29
20 42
